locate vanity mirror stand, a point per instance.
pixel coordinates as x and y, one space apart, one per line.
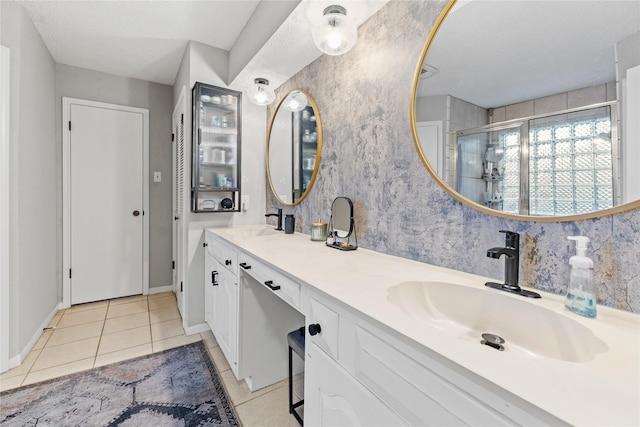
342 227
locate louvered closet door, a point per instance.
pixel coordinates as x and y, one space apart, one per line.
178 203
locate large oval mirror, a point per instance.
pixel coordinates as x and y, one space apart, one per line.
294 146
528 109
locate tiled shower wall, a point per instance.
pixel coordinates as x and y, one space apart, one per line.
369 156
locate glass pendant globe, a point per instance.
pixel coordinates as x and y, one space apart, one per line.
296 101
261 93
335 34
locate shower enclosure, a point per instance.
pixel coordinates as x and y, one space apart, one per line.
557 164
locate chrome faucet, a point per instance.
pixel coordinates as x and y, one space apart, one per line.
279 215
511 251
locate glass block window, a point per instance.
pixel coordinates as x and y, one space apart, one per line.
570 163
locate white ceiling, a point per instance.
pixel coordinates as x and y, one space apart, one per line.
146 39
494 53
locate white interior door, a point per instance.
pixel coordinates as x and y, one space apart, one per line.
430 135
106 201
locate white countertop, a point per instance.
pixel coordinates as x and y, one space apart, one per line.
604 391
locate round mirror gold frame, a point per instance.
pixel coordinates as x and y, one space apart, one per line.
316 167
592 215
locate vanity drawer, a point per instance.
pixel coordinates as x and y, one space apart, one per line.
221 252
281 285
325 321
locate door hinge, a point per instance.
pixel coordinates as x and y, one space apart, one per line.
180 286
182 118
69 124
69 273
173 265
173 137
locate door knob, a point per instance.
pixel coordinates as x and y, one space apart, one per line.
136 213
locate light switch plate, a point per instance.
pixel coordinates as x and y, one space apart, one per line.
244 202
157 176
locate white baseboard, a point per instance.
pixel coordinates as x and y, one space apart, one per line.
160 289
19 358
196 329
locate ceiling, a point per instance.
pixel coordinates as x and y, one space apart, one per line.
147 39
495 53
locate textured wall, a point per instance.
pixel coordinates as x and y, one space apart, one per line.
369 156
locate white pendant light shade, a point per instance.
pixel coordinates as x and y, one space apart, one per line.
296 101
261 93
335 34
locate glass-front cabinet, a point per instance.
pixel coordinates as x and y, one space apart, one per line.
215 178
308 143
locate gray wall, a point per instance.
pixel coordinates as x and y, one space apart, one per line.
34 199
158 99
369 155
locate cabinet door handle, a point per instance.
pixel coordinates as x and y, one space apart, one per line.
214 282
270 284
136 213
245 265
227 262
314 329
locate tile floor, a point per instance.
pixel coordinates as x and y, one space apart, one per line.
96 334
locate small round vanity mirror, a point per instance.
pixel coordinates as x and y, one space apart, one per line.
294 145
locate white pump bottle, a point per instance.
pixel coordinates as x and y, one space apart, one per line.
581 295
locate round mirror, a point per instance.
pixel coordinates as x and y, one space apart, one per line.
294 145
524 109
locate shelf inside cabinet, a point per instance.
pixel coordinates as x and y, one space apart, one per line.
225 107
210 189
219 130
217 164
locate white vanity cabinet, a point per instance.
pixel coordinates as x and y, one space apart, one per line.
356 373
333 397
367 364
221 295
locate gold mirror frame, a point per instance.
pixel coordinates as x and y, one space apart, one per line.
316 167
414 93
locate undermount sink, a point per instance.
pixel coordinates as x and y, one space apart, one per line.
466 313
252 232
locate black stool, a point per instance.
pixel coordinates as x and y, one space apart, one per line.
295 340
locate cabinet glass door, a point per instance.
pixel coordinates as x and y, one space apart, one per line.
216 149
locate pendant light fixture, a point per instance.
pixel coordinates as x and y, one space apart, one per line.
261 93
335 34
296 101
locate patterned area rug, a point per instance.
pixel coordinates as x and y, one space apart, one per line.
178 387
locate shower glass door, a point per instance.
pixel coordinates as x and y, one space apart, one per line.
488 167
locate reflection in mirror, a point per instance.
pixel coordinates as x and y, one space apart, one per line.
294 145
342 225
521 108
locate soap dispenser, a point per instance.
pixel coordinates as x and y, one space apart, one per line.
581 295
